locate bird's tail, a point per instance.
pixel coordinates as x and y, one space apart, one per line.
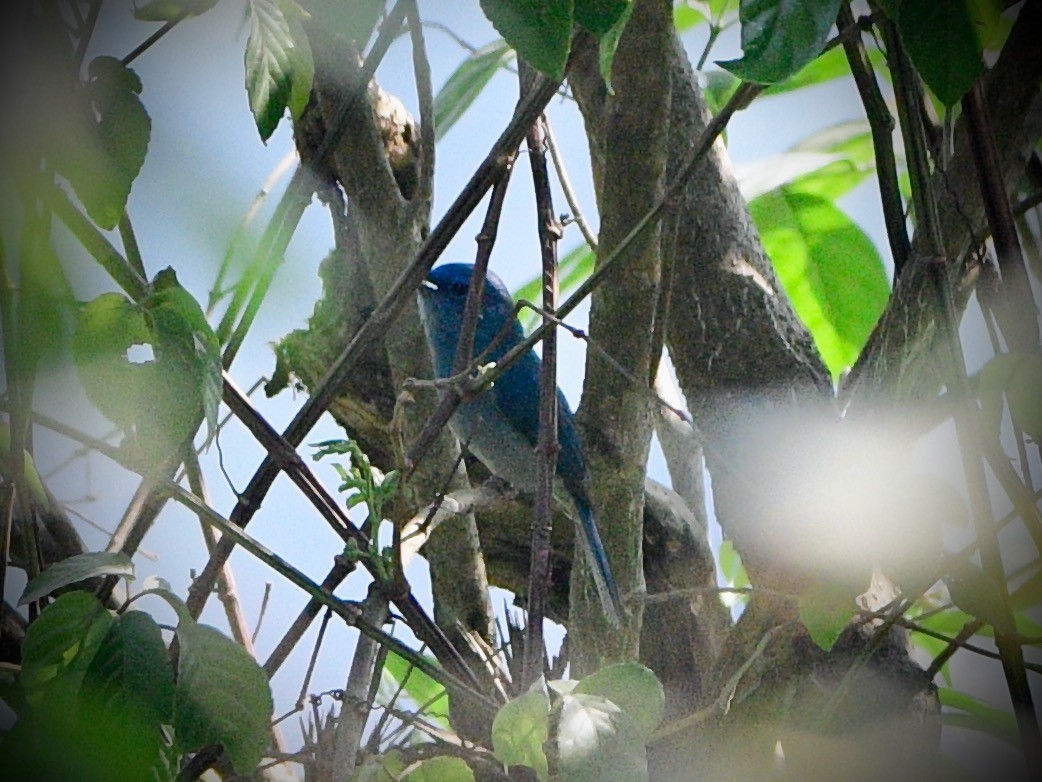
607 589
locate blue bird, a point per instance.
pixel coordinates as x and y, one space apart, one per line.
500 426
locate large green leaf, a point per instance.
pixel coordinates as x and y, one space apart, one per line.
159 403
942 45
781 36
829 268
540 31
633 688
520 729
127 692
467 82
106 149
222 697
77 568
279 63
59 647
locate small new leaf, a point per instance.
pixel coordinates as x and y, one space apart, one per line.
279 64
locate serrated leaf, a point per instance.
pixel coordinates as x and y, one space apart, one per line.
942 45
634 689
279 64
826 610
77 568
540 31
59 646
222 696
520 729
102 156
781 36
829 268
467 82
597 742
171 10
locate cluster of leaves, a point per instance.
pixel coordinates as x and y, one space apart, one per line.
98 696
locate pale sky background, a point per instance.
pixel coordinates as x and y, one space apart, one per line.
205 165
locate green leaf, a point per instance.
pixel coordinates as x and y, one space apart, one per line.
781 36
942 44
186 346
423 690
991 25
539 30
605 19
1018 377
59 646
631 687
597 742
687 17
279 64
467 82
106 149
978 716
824 68
829 268
222 696
826 610
127 692
520 729
440 769
46 311
158 403
171 10
77 568
977 594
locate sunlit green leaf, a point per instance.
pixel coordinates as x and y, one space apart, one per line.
978 716
829 268
575 267
826 610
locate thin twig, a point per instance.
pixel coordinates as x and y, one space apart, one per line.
147 44
881 122
566 187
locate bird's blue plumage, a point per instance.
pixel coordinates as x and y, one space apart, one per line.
501 425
